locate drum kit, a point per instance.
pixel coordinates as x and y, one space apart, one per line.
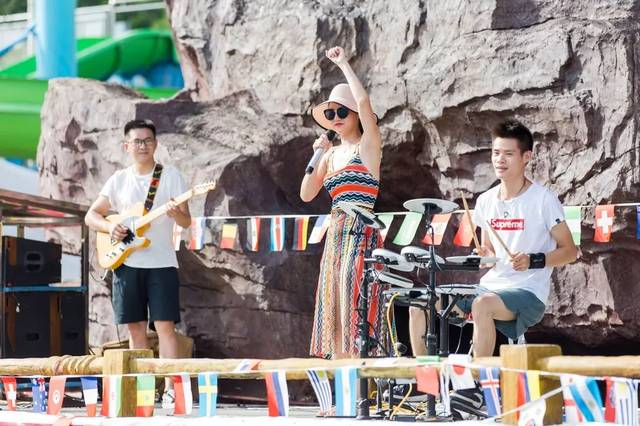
403 290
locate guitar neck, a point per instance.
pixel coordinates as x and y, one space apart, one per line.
154 214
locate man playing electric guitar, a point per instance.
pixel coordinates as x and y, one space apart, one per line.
148 278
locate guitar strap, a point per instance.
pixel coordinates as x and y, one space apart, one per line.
153 187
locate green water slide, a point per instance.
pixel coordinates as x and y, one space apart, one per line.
21 96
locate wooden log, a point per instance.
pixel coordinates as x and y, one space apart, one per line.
619 366
528 357
120 361
52 366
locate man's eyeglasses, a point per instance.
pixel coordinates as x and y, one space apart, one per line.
342 113
139 143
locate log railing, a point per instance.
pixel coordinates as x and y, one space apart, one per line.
512 357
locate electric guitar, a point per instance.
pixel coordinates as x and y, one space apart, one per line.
112 253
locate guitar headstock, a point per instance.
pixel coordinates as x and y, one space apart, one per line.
203 188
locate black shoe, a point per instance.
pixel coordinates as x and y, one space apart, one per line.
468 402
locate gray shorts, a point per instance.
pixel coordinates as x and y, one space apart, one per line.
528 309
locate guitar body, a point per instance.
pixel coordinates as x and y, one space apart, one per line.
111 254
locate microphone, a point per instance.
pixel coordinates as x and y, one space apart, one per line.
317 154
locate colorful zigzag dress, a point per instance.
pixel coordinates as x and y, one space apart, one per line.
342 266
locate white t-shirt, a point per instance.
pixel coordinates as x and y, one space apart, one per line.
126 188
524 223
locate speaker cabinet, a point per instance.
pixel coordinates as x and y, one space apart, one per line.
29 262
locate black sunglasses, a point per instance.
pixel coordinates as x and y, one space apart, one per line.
342 112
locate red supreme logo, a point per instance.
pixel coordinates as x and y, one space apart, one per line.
507 224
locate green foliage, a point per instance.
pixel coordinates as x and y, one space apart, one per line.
7 7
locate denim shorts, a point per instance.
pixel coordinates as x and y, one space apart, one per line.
528 309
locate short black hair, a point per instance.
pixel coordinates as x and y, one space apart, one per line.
513 129
140 124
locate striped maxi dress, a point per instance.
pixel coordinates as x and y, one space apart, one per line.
342 266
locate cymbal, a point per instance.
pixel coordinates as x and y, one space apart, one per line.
430 206
368 218
396 280
471 260
414 252
392 260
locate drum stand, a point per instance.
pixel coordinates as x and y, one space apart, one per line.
365 341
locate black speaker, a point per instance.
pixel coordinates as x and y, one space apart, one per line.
29 262
73 321
27 325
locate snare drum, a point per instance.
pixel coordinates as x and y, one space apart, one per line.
395 280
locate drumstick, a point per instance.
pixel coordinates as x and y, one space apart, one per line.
473 228
504 246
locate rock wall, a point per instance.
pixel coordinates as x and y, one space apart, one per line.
440 74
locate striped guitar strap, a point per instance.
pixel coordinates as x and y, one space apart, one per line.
153 187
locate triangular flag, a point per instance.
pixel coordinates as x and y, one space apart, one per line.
533 415
197 233
573 216
319 229
605 216
39 393
229 236
522 395
345 382
610 402
277 233
56 394
445 398
90 394
277 393
322 387
184 398
439 224
626 397
253 234
10 391
427 379
464 236
490 382
387 219
408 229
533 384
177 236
300 229
208 392
111 390
582 399
145 396
459 373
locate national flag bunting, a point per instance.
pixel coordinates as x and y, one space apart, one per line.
625 395
277 233
609 403
56 394
246 365
408 229
10 391
177 236
277 393
322 387
573 216
459 373
605 216
253 234
345 383
208 392
522 392
183 403
319 229
39 394
300 230
387 219
111 391
439 224
490 382
427 379
197 233
445 398
582 399
533 415
145 395
90 394
229 236
464 235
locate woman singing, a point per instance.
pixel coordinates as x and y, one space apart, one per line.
351 173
